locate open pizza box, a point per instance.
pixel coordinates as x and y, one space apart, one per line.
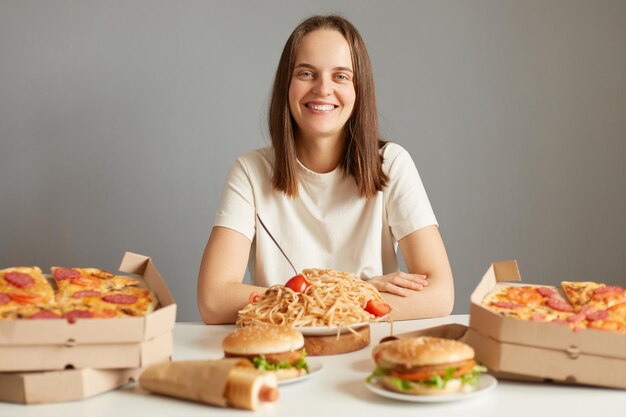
38 345
521 349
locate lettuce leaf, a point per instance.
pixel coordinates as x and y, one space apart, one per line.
263 365
435 381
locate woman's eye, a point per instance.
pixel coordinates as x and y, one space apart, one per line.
305 74
343 77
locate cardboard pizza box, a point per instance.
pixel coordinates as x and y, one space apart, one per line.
97 355
522 349
106 331
62 386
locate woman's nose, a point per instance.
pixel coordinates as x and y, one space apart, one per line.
323 86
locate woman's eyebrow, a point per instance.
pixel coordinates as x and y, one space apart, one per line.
305 65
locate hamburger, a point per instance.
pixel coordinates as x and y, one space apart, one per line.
426 366
270 348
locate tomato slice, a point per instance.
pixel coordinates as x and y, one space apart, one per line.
25 298
377 308
254 297
298 283
420 376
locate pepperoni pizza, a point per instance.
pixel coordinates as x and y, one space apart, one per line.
82 293
585 305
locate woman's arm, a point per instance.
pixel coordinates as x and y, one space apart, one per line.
221 292
425 255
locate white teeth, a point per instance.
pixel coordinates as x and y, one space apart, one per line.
323 107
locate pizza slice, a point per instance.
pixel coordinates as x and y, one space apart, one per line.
607 296
612 319
530 302
125 302
72 280
579 293
28 283
30 312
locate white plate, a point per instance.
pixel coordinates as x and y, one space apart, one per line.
332 330
314 367
485 384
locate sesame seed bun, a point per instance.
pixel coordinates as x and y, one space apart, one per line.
418 351
262 339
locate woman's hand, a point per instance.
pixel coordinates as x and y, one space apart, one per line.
399 283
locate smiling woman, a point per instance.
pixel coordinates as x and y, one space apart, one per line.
331 191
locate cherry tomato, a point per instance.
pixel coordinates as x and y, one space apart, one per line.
377 308
298 283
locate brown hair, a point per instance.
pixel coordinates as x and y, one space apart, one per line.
362 137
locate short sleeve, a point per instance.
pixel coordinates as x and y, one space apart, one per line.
406 202
237 209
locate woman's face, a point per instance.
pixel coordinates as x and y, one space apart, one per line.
321 93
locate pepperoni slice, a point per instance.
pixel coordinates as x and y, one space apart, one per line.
120 299
19 279
504 304
86 293
560 305
73 315
4 298
597 315
45 314
581 315
546 292
608 288
65 273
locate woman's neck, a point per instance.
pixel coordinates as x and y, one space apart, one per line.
320 155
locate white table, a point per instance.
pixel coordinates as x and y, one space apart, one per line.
337 390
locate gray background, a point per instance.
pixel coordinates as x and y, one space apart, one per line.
120 119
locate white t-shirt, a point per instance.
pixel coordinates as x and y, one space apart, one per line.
328 225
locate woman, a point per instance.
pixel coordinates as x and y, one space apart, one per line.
330 191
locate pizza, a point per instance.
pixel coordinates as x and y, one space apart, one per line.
600 296
25 293
72 280
26 283
124 302
584 304
529 302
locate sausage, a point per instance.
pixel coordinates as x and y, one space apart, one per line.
65 273
268 394
546 292
19 279
556 303
120 299
45 314
4 298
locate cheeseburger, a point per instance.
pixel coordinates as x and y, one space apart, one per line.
270 348
426 366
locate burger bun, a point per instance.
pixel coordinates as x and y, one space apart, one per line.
262 339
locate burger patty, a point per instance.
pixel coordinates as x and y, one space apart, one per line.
434 369
273 358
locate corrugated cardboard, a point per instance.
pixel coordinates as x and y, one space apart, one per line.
531 349
89 331
62 386
101 356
